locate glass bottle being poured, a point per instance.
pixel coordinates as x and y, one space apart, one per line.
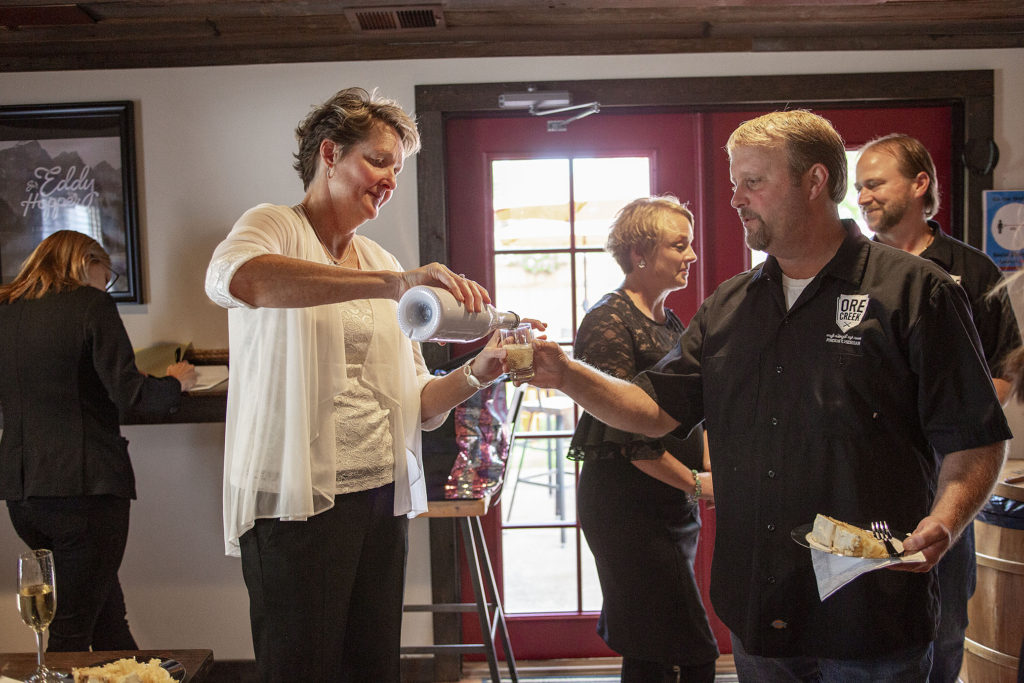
434 314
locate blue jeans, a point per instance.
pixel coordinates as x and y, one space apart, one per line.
957 574
905 666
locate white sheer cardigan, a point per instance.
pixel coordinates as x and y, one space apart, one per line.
287 364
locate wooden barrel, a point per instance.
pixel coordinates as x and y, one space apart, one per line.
993 642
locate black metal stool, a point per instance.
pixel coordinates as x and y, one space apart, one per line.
490 612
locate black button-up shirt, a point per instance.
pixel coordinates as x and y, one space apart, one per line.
977 274
840 406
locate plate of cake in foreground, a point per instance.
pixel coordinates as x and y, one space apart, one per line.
842 538
131 670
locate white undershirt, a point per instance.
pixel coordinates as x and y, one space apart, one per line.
793 289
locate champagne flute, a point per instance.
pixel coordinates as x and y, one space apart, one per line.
37 600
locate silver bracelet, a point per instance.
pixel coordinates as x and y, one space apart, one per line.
471 379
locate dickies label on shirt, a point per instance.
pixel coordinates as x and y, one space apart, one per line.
850 310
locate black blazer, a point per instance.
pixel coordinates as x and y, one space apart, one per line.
66 367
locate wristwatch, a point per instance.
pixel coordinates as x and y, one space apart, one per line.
471 379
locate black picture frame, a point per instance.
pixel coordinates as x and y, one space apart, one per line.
70 166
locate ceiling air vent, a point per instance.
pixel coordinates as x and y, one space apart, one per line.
393 19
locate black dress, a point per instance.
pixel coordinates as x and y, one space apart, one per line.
643 533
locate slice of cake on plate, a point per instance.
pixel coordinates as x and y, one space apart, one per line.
846 539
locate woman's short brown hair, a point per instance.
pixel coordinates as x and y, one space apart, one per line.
345 119
639 225
59 263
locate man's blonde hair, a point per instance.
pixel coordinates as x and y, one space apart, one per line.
807 138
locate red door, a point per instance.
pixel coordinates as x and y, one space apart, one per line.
671 142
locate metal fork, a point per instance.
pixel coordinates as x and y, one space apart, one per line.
881 531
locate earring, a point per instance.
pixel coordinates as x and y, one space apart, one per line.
642 265
330 171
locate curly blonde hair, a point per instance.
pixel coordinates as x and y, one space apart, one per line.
639 225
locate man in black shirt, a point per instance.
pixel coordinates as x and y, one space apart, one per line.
899 194
824 388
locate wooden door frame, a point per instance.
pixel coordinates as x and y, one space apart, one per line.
969 93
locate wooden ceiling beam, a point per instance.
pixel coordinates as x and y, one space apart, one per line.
285 31
153 33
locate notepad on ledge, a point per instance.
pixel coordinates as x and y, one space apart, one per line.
209 376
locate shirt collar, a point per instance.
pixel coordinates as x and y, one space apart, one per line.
847 264
941 249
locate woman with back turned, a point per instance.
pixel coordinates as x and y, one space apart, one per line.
66 369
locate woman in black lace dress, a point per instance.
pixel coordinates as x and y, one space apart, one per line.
636 498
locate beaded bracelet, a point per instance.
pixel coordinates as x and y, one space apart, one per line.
697 487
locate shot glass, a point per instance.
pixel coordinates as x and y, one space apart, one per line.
518 345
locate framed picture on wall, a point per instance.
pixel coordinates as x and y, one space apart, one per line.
70 167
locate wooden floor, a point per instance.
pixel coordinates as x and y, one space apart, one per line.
477 672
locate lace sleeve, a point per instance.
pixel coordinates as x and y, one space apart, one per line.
608 340
604 342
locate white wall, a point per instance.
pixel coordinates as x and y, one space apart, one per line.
214 141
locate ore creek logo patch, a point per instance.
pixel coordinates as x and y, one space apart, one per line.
850 310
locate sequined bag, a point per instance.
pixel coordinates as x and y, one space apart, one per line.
483 431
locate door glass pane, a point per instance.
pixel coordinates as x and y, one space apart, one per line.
540 486
548 259
592 596
530 200
540 570
850 208
597 273
536 285
601 187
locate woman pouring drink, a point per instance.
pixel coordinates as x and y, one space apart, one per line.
327 399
